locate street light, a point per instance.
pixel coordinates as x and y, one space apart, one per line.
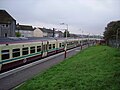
66 28
88 39
88 35
65 49
82 33
82 39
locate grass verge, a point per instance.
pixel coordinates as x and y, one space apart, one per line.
96 68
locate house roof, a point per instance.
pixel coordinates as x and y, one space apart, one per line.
59 32
46 30
24 27
5 17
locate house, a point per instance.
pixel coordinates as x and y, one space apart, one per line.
38 33
74 35
25 30
43 32
47 32
59 34
7 24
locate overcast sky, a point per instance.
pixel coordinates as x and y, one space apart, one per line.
89 16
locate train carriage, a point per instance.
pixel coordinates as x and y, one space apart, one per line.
15 52
72 43
60 44
52 47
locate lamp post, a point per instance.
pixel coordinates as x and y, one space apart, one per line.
82 39
88 39
82 33
117 38
93 39
65 48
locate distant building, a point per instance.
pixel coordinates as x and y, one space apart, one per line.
7 24
43 32
74 35
47 32
38 33
25 30
59 34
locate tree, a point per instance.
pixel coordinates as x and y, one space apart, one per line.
68 34
18 34
111 30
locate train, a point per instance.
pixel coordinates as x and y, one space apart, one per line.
15 51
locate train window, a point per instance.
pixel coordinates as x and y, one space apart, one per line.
25 51
16 52
38 48
60 44
5 54
32 49
53 45
68 43
50 46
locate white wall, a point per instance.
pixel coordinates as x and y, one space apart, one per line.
37 33
26 33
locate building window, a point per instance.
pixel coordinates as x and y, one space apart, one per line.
5 54
3 25
16 52
5 34
6 25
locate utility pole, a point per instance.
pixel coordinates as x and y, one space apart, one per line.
53 32
18 27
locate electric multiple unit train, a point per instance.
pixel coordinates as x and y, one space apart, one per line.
15 52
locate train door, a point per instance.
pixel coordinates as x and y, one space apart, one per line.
44 48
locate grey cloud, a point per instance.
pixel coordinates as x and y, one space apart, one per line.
89 15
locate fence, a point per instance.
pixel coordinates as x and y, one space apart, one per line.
114 43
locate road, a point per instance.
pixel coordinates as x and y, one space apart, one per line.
18 77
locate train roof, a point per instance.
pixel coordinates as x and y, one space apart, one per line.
9 40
